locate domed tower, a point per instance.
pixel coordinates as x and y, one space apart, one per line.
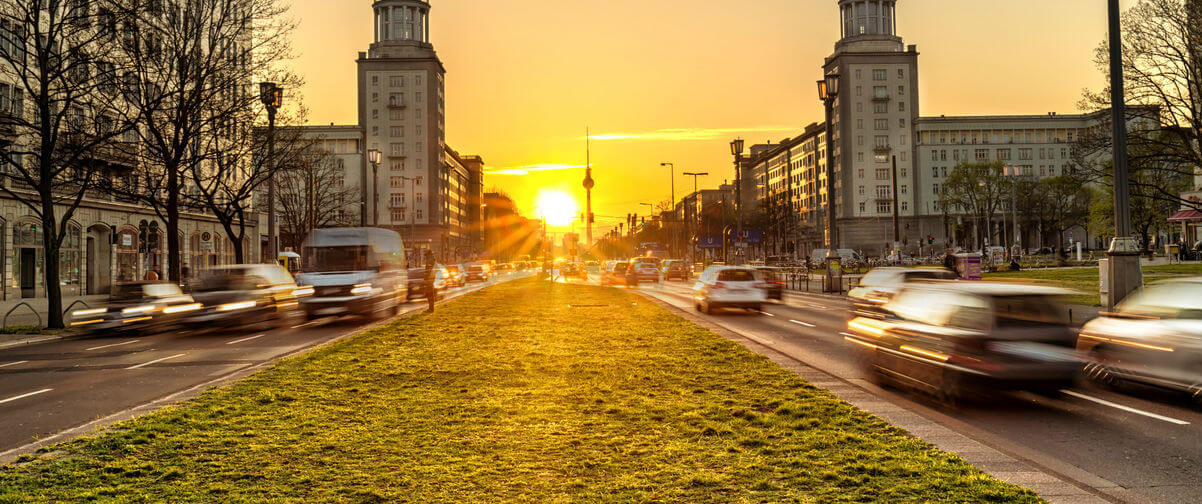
401 112
873 119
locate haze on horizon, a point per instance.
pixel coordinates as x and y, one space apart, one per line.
675 80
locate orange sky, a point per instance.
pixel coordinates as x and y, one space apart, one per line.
525 77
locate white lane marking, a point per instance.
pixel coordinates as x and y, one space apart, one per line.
1125 408
246 339
850 335
108 346
155 361
815 306
766 313
13 363
304 325
22 396
798 322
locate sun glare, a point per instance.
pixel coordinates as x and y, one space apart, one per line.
557 207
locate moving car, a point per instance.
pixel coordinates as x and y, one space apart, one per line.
1154 337
456 276
137 308
675 269
477 273
881 284
951 339
246 294
774 278
353 271
729 287
644 269
593 267
615 273
417 283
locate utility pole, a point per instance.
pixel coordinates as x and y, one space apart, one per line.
896 213
672 181
736 148
696 224
1124 273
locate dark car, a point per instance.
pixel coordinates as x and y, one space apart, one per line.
137 308
952 339
477 273
774 279
676 269
247 295
614 274
643 269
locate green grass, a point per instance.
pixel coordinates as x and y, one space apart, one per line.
511 395
28 329
1085 279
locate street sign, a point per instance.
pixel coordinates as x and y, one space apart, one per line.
709 242
748 236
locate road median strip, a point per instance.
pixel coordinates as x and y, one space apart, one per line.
509 395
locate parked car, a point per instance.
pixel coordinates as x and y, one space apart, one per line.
952 339
615 273
456 277
675 268
353 271
417 283
1154 337
774 279
137 308
729 287
644 269
245 295
881 284
477 273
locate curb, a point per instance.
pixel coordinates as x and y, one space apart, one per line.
981 450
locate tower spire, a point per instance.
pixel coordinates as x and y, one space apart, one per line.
588 189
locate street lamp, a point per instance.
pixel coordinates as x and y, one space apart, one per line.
828 91
1124 273
1012 172
696 214
672 177
373 157
272 97
736 149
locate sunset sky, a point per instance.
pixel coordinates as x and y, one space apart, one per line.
675 80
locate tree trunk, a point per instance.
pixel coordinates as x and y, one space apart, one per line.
173 245
50 265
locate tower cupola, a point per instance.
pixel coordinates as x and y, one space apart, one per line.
402 21
868 17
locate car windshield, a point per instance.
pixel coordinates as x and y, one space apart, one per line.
141 291
326 259
1168 300
736 275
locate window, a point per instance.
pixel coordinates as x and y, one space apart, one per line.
859 90
860 173
901 73
935 188
881 141
396 114
396 99
943 155
860 140
397 149
398 165
1024 153
884 207
398 215
859 124
879 74
935 172
944 171
418 181
418 96
375 114
418 213
934 155
981 154
902 190
881 124
858 75
375 97
396 131
862 209
860 157
396 81
905 206
883 158
880 108
880 91
375 80
396 200
375 130
396 182
1003 154
859 107
417 80
901 106
901 90
418 198
882 174
861 189
1064 153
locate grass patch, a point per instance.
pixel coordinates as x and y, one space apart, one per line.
510 395
1085 280
28 329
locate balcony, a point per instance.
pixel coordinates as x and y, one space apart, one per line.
397 104
882 149
881 97
113 153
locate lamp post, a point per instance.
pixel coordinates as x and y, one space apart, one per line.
412 181
1013 173
736 149
272 96
696 214
373 156
672 182
828 91
1124 274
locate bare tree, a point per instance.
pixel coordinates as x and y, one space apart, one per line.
195 63
311 194
1162 68
58 126
977 189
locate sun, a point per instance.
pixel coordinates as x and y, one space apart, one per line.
557 207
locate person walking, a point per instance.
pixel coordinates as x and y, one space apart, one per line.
431 289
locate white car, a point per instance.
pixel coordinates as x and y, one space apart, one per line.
729 286
881 284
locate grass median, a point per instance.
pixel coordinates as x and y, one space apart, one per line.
1084 280
525 392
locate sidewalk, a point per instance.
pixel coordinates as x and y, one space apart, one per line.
23 315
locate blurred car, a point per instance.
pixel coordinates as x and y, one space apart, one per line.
477 273
456 277
881 284
774 278
644 269
615 274
593 267
246 294
137 308
675 269
729 287
353 271
1154 337
574 270
418 283
952 339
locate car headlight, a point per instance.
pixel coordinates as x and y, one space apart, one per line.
182 308
137 310
237 306
304 291
362 288
89 312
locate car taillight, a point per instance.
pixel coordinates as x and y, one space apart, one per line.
762 285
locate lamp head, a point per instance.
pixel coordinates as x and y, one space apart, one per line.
271 95
373 155
736 147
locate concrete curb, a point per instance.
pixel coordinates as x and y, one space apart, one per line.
102 424
983 451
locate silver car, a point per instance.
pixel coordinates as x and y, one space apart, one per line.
1154 337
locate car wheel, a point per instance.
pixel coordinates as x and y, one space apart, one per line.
709 309
1100 368
697 306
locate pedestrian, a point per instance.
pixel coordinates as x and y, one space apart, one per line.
431 289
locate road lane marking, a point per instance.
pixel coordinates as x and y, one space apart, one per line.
766 313
816 306
156 361
108 346
1125 408
14 363
22 396
246 339
798 322
847 334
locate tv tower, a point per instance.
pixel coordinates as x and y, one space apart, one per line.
588 191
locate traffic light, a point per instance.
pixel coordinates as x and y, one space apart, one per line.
931 240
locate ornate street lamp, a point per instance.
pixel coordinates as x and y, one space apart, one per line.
828 91
272 97
736 149
373 157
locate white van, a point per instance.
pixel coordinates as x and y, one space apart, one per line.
353 271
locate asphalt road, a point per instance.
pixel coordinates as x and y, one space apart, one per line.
1147 442
49 387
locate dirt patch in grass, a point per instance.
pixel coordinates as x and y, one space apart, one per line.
511 395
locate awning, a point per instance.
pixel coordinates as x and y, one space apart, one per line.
1190 216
